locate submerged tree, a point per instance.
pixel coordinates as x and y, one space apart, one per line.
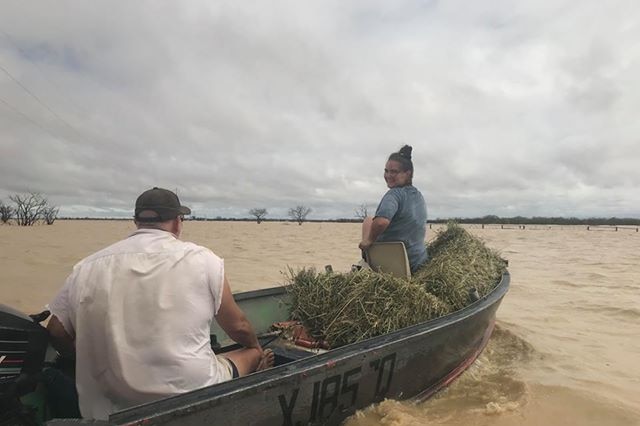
50 214
299 213
259 214
361 211
29 207
6 212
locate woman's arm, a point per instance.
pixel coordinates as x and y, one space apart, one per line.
372 232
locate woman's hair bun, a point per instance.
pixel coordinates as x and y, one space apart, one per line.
405 152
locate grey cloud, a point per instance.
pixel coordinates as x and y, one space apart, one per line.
511 108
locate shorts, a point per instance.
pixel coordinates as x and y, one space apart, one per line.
228 367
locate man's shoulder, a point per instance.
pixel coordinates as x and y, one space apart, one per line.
106 251
197 248
197 251
139 243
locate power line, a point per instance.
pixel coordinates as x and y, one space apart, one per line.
26 117
33 95
37 99
44 74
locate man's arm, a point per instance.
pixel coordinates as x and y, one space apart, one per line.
234 322
378 225
62 341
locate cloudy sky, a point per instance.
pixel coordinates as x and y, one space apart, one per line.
512 108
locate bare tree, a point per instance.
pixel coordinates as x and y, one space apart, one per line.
6 212
361 211
29 207
258 213
50 214
299 213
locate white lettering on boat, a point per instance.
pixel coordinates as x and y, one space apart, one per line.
337 392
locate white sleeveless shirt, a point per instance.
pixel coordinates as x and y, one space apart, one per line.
141 312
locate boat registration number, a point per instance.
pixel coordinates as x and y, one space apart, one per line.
338 391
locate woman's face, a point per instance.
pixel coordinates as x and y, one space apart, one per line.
394 176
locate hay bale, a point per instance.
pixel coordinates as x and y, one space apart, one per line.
351 307
343 308
459 262
314 297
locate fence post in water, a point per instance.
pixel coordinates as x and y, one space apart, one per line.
588 228
616 229
483 226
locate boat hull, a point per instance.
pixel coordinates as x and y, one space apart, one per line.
326 388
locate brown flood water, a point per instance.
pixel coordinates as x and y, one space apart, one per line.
566 350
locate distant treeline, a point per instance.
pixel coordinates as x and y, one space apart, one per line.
487 220
541 220
223 219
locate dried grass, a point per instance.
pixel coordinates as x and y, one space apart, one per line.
458 263
343 308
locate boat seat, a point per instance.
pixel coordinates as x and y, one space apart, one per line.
389 257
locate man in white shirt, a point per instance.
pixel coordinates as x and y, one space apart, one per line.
137 315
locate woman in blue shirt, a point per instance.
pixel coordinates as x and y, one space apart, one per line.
402 212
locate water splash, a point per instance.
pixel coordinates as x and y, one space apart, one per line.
491 386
